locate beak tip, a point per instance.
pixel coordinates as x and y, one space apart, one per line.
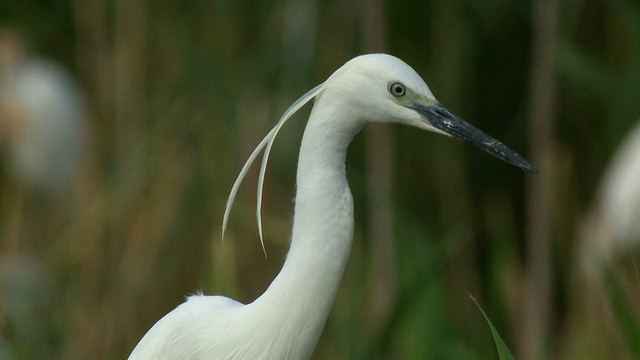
532 169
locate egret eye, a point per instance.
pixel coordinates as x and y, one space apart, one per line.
396 89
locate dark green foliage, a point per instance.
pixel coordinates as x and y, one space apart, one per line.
180 93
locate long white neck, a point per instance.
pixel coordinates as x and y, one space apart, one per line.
301 296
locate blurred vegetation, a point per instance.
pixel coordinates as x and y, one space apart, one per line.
180 93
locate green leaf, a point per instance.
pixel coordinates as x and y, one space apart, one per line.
503 350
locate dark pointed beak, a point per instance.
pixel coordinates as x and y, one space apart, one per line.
444 120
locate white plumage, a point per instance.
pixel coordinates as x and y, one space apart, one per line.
41 119
612 228
286 321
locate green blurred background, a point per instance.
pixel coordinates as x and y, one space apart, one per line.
178 95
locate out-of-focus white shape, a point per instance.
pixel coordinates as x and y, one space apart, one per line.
41 118
612 227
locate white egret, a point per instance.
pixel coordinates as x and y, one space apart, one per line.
42 117
611 228
285 322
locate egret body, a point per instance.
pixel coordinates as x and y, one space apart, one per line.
611 228
42 117
285 322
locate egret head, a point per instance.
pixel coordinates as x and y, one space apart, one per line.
382 88
377 88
